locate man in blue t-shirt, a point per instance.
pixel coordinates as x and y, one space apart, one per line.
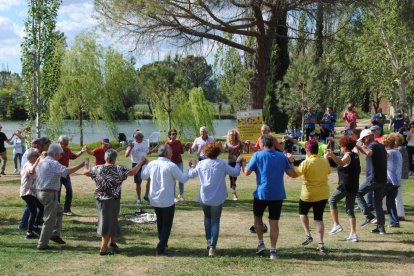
270 167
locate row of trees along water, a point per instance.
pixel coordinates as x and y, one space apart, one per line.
278 55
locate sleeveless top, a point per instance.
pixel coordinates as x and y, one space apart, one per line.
349 175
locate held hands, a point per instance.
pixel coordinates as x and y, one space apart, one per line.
192 163
290 157
327 153
241 160
86 163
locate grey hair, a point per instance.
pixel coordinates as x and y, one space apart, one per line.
265 126
111 155
268 141
54 148
203 128
163 149
63 138
31 152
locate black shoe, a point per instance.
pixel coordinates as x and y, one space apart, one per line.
3 173
31 236
146 198
47 247
379 230
22 228
37 230
307 240
394 225
401 218
368 221
57 239
114 247
321 247
106 253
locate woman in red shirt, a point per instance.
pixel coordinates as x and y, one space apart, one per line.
177 150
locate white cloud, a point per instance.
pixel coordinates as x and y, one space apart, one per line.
75 16
8 4
10 30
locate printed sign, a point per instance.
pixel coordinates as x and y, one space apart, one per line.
249 124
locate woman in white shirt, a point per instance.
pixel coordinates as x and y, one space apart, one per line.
18 150
138 149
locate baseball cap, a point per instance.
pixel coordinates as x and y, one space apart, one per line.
105 141
364 133
375 128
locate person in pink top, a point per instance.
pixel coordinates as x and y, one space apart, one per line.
350 116
177 149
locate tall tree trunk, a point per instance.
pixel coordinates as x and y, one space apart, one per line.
81 127
403 94
260 69
319 33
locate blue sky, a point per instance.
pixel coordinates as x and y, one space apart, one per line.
74 16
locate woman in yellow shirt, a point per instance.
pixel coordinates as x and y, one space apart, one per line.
315 191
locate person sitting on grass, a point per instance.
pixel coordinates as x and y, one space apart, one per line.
270 167
315 191
108 179
349 169
213 192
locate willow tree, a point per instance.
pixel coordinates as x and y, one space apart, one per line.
93 80
185 23
40 60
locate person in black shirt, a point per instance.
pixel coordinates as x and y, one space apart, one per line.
349 169
3 152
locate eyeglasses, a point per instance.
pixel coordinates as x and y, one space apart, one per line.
173 133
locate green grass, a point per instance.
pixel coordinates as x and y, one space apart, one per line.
374 254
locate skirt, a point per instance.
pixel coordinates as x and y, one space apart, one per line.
108 212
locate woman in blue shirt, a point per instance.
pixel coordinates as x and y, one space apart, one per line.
213 192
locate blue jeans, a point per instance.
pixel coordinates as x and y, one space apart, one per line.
390 192
377 188
212 216
65 181
24 221
180 185
165 217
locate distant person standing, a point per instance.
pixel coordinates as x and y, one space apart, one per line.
378 119
350 117
99 152
410 147
200 142
18 151
329 117
3 152
310 122
397 121
177 150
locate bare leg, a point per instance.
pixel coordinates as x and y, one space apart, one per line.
352 222
258 224
305 223
320 229
138 189
334 215
147 188
104 243
274 232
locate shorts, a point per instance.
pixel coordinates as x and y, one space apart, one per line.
137 177
317 206
274 207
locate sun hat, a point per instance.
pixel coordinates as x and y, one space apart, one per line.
364 133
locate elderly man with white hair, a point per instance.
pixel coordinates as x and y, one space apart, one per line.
65 181
48 173
200 143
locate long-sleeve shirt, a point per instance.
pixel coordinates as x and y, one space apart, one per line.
394 167
163 174
212 174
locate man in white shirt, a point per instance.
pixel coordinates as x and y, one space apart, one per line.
200 142
163 174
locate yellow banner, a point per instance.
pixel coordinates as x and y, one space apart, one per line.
249 124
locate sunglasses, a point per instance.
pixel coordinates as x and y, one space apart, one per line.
173 133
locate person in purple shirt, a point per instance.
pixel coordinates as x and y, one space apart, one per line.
270 167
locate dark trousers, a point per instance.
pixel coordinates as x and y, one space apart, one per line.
410 150
36 211
377 188
65 181
165 217
390 193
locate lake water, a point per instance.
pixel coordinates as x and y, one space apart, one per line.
95 131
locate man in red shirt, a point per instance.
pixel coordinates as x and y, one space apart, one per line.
65 181
99 152
259 144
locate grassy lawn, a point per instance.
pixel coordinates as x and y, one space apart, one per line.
374 254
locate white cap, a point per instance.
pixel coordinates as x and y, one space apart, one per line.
364 133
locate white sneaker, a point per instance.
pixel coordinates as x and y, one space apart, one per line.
211 252
138 201
273 255
175 200
336 229
353 238
180 198
260 248
16 171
